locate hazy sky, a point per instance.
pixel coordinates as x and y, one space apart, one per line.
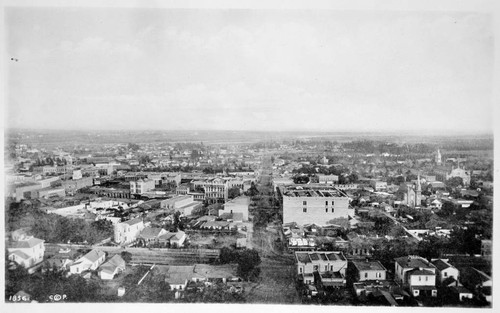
249 69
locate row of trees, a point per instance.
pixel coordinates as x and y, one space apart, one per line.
53 227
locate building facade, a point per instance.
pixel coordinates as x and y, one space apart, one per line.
141 186
305 205
127 232
329 267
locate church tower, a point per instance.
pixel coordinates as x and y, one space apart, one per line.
438 158
418 192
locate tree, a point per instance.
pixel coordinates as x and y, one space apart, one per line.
233 192
248 262
431 247
465 241
228 255
126 256
454 182
133 146
252 191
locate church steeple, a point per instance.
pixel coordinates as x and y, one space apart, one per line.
438 157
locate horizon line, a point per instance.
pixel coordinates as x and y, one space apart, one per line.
434 132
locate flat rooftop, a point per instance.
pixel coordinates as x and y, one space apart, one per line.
310 192
309 257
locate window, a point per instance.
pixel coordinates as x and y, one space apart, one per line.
304 210
300 270
366 275
419 278
326 268
326 210
326 202
333 210
304 202
445 274
333 202
426 278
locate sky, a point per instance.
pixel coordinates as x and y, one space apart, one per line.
216 69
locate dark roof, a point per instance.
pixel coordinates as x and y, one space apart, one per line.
332 275
460 289
302 257
441 265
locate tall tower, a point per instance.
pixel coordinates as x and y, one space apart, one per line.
438 157
418 192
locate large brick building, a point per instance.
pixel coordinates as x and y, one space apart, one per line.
313 204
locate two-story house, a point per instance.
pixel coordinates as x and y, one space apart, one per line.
27 252
416 274
446 272
128 231
369 270
329 267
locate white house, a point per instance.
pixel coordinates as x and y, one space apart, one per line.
27 252
331 266
127 232
416 274
369 270
173 239
89 261
112 267
445 270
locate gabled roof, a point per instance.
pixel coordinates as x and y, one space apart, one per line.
441 264
94 255
166 236
115 262
150 232
179 234
413 262
26 244
20 254
134 221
